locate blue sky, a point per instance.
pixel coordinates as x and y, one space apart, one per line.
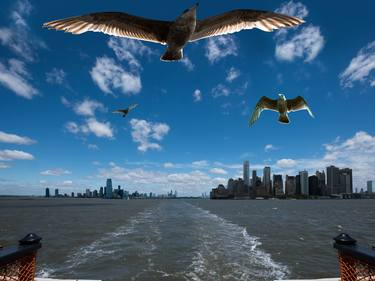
190 131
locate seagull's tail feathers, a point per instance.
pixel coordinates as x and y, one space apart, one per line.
283 118
172 55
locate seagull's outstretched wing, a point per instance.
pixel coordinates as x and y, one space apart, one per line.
114 23
121 111
131 107
297 104
238 20
263 103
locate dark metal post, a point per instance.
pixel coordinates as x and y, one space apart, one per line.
356 262
19 262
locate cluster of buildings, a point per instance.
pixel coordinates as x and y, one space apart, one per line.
334 182
108 192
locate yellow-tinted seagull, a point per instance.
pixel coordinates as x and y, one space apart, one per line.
125 111
176 33
281 105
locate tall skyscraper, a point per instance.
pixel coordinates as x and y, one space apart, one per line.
254 178
278 188
101 192
56 192
369 186
304 179
339 180
298 185
48 195
290 185
322 182
267 179
108 189
314 186
246 173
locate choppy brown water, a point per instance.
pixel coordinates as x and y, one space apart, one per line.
186 239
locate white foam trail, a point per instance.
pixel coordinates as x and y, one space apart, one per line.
228 252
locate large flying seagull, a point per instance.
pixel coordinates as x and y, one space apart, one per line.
176 34
281 105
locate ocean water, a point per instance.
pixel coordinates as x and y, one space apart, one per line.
187 239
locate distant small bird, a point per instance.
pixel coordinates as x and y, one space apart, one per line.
281 105
176 34
125 111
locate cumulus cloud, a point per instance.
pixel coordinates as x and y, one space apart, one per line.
218 171
12 138
187 63
16 78
304 43
148 134
197 95
168 165
88 107
92 146
108 75
128 49
360 67
56 76
220 47
220 90
232 74
269 147
9 155
286 163
55 172
91 126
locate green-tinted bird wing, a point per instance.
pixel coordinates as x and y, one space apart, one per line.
131 107
117 24
263 103
297 104
238 20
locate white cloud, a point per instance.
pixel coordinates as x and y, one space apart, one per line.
128 50
295 9
4 166
168 165
108 75
269 147
200 163
12 138
18 36
92 146
286 163
56 76
88 107
91 125
360 67
55 172
99 129
9 155
220 91
218 171
67 183
197 95
306 44
65 101
220 47
232 74
146 133
187 63
16 78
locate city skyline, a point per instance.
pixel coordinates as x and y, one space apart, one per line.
188 133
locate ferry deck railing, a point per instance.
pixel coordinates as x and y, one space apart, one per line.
355 262
18 263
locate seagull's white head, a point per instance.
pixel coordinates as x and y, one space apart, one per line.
282 96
